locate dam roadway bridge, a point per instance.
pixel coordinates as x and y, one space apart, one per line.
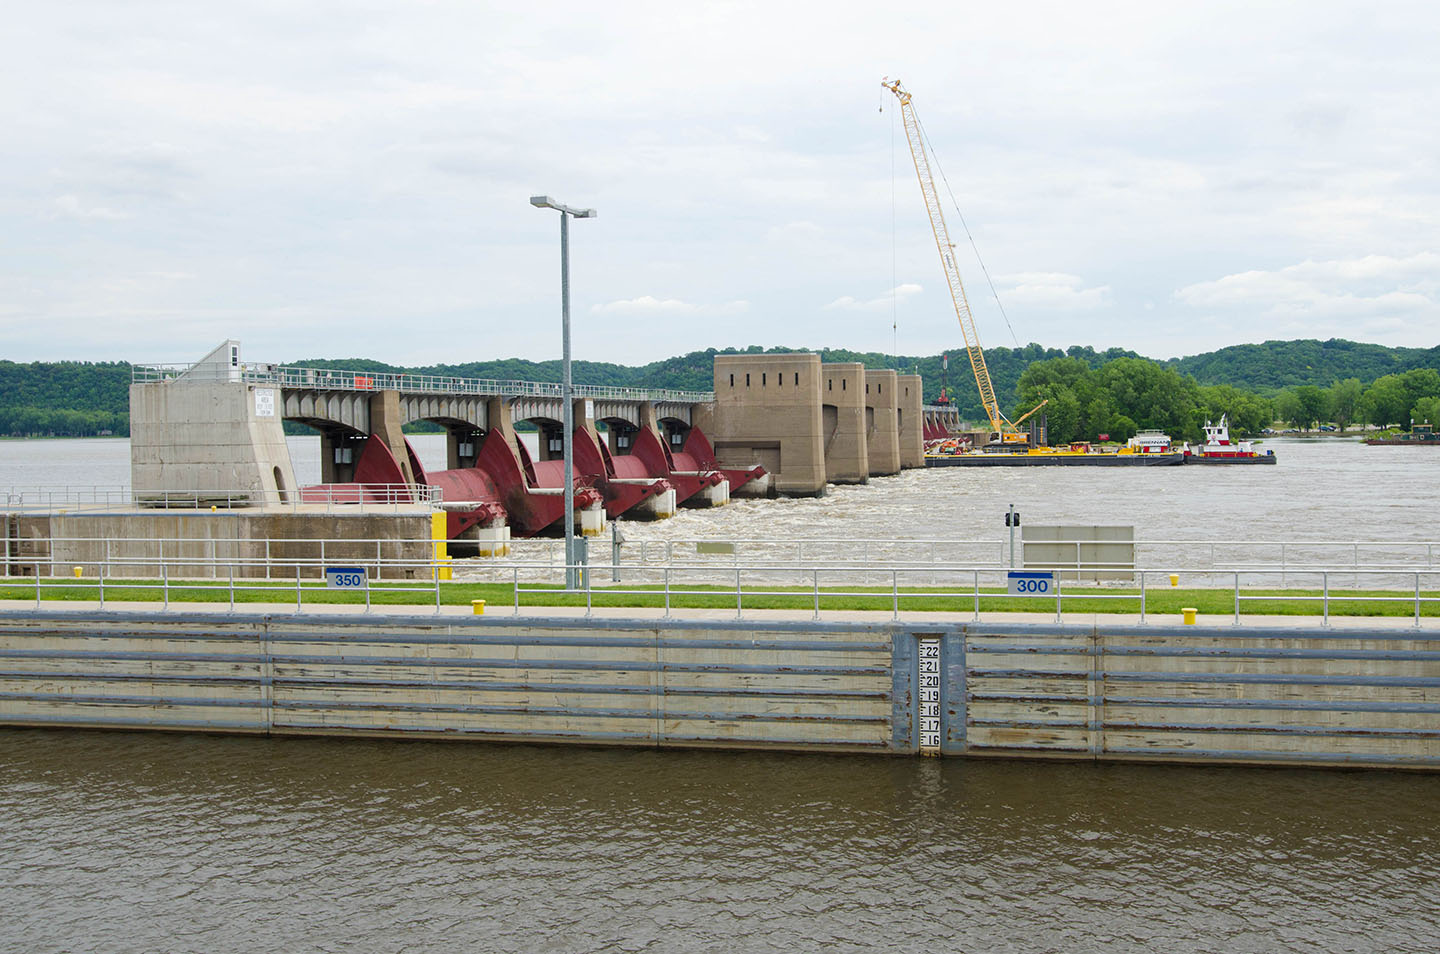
216 425
341 406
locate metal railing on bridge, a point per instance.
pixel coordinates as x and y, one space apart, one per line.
327 379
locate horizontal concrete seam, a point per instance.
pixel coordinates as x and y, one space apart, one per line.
119 722
1210 677
1209 652
603 642
118 655
1209 727
149 701
579 665
1177 702
576 712
292 682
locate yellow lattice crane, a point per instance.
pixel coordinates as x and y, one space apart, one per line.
1007 431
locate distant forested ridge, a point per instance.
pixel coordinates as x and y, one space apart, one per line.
64 398
1302 382
1287 364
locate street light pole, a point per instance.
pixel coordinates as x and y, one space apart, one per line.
567 387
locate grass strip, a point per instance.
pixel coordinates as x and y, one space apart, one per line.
500 596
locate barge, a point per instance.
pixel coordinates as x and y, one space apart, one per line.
1421 435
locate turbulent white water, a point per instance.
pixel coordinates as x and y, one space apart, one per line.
1323 489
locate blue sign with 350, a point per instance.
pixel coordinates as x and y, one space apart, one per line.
345 577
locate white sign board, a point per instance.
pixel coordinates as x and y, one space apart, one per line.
264 402
1031 584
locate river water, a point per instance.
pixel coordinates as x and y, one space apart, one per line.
135 842
127 842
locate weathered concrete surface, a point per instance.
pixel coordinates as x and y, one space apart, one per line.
203 544
1290 693
712 684
847 457
386 424
910 417
208 431
882 434
767 411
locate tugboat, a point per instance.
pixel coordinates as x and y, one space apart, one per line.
1220 449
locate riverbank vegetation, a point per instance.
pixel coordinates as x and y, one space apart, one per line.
1303 383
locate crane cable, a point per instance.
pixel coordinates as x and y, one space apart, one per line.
894 271
963 224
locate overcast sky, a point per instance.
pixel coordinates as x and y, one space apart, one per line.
351 179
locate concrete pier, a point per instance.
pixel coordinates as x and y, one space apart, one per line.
767 411
882 423
209 433
847 458
910 420
810 423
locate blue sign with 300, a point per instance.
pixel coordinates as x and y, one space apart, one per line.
1031 584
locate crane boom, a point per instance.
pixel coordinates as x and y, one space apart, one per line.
998 422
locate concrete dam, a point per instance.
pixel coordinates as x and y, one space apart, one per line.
211 433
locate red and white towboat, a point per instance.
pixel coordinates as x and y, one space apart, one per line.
1220 449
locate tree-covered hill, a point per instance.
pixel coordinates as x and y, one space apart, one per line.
64 398
1285 364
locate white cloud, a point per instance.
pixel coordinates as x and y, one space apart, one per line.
794 232
1373 285
650 305
1051 290
883 303
71 206
1382 298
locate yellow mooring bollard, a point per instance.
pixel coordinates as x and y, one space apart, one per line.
1188 612
79 571
1174 579
478 606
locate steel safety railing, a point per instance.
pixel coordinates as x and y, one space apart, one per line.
53 499
424 581
1189 556
197 577
985 583
211 557
327 379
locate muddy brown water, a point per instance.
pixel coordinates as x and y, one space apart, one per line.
135 842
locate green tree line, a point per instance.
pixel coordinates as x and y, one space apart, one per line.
1303 383
1392 400
1127 395
61 422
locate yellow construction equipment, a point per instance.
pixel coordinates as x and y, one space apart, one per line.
1005 430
